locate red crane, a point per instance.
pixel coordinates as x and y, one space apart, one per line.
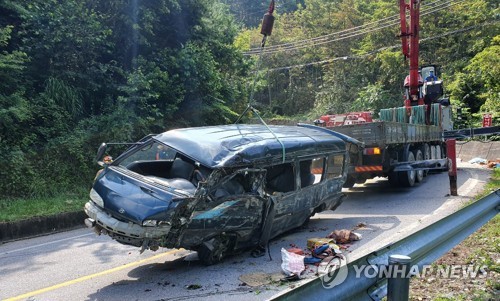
409 41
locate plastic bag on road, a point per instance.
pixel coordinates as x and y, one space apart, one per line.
291 263
478 160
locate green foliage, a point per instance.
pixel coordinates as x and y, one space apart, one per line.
14 117
373 98
484 69
151 92
352 65
477 88
18 209
57 92
250 12
74 74
15 170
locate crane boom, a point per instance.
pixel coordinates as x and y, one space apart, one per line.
409 41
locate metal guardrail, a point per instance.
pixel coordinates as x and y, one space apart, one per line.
471 132
424 247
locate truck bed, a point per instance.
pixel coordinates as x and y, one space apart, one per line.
384 133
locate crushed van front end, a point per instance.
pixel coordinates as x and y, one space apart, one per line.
124 232
218 190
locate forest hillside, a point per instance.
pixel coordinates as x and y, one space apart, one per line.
74 74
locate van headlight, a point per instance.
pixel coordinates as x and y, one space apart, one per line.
150 223
96 198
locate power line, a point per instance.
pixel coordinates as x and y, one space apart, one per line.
355 33
393 20
328 61
350 33
323 37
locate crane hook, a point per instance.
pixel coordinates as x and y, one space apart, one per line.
267 23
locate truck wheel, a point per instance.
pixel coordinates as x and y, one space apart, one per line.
444 156
426 150
440 154
214 250
419 176
407 178
349 182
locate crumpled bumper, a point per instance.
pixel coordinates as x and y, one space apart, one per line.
121 230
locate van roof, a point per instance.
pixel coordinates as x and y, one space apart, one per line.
249 144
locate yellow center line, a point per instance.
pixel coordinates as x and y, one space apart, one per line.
81 279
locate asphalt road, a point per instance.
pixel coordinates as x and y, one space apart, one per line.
78 265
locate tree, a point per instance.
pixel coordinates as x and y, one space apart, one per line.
15 116
77 73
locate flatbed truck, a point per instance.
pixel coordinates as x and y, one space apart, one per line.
403 152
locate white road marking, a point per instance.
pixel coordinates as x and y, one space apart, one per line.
47 243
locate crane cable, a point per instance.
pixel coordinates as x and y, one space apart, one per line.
266 30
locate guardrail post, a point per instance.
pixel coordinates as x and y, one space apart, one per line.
451 154
398 283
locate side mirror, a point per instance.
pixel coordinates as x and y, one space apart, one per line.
100 153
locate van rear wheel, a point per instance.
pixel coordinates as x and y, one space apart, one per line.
214 250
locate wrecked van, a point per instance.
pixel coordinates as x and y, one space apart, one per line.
218 189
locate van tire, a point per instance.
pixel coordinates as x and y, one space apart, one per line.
214 250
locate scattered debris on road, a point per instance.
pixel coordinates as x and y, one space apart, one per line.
488 163
193 286
312 243
292 264
360 226
478 160
344 236
259 279
319 249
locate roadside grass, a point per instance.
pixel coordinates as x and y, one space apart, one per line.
19 209
481 249
492 185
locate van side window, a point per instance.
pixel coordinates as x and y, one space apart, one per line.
311 171
280 178
334 166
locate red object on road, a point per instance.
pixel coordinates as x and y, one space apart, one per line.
487 120
297 251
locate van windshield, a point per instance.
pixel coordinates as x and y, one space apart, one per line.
151 151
